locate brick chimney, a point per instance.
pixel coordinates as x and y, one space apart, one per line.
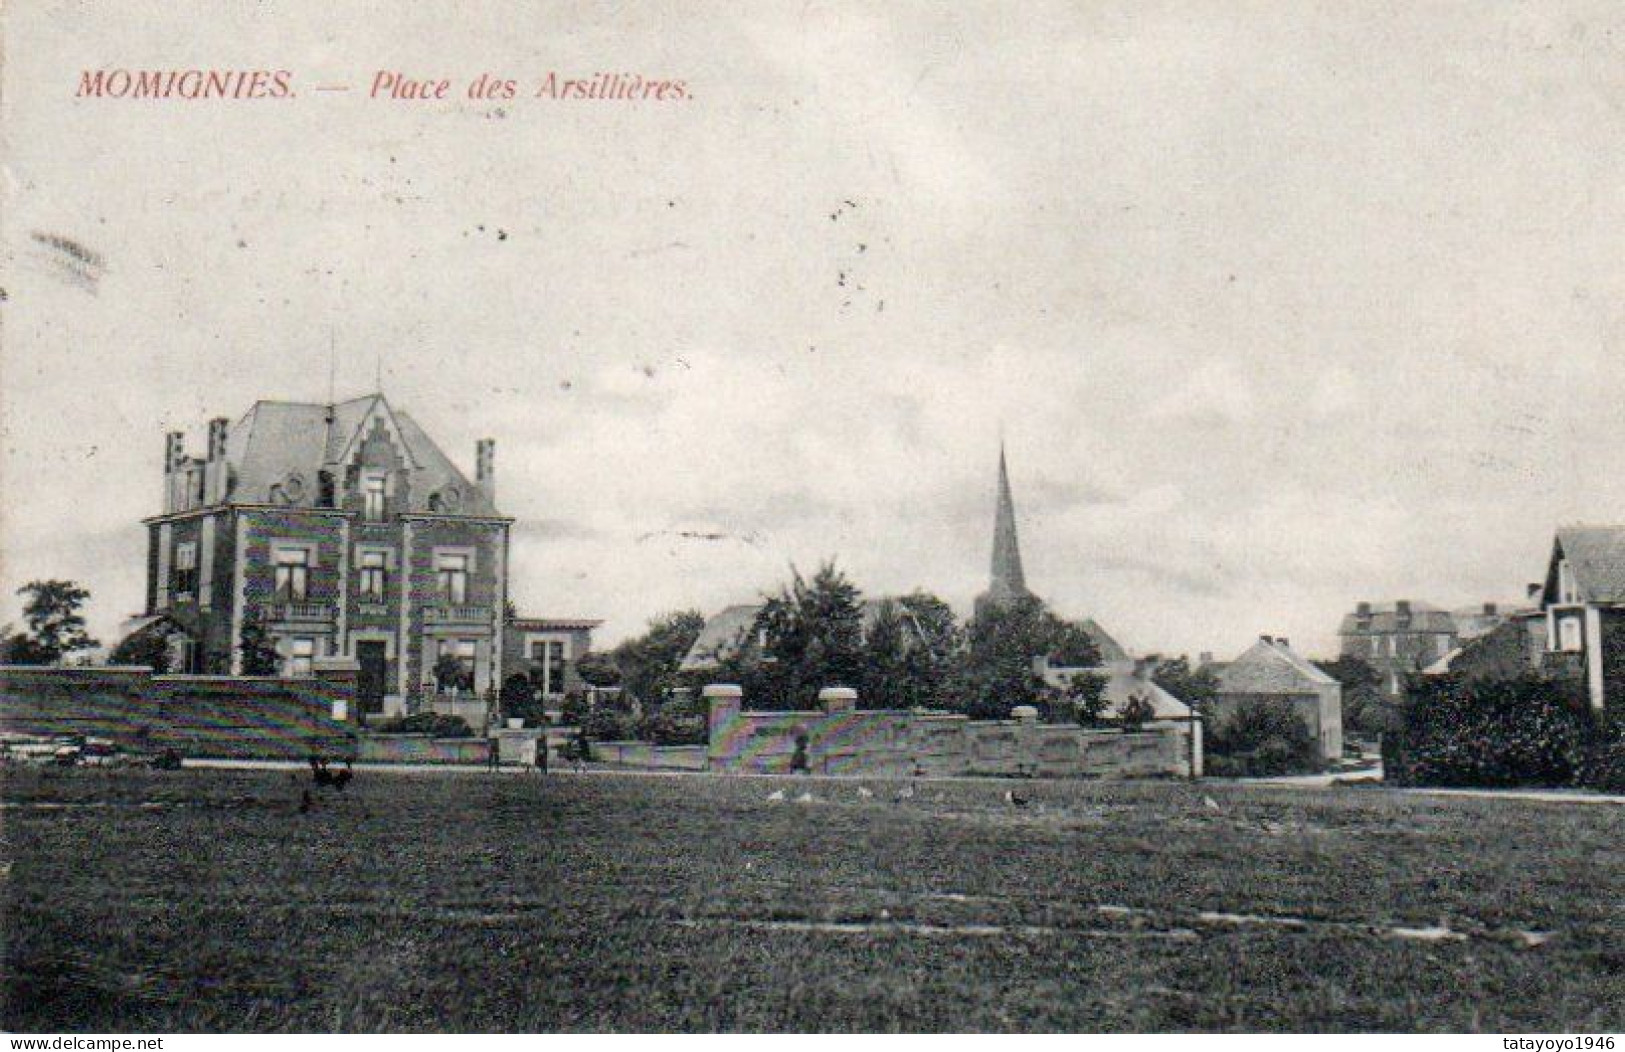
1362 609
174 454
485 468
214 470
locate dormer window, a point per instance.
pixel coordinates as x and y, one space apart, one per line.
1570 638
372 497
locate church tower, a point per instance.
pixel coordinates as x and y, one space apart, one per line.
1007 583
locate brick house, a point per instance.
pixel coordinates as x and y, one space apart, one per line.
1270 670
1398 639
343 530
545 651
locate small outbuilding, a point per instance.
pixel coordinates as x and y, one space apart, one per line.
1271 670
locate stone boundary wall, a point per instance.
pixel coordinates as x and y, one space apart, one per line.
422 748
840 739
648 756
204 716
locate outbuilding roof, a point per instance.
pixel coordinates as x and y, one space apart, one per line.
1270 666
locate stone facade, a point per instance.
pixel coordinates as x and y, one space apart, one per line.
1398 639
341 530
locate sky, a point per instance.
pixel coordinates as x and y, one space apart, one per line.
1275 308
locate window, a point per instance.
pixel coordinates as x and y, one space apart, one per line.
1567 592
186 569
292 574
374 575
451 571
301 649
547 665
1376 646
372 497
1570 638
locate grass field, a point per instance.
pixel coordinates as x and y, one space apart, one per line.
202 900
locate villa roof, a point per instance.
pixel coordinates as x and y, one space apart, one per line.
1385 618
284 445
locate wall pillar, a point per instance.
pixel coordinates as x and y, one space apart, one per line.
722 703
837 699
338 677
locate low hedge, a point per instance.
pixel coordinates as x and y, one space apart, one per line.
441 725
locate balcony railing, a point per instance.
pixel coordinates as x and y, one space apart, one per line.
302 612
457 615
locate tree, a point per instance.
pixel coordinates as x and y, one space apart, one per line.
598 670
911 648
814 635
1136 712
55 626
1082 700
19 648
1002 641
1196 687
258 653
1365 710
647 664
146 647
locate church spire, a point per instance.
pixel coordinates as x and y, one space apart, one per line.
1008 582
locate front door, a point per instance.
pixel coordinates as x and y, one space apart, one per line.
369 686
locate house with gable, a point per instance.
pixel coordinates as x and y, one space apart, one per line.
1270 670
1583 605
337 530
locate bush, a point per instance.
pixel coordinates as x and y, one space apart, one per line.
440 725
1135 713
573 713
522 700
577 749
1602 765
605 724
1261 738
678 722
1525 731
